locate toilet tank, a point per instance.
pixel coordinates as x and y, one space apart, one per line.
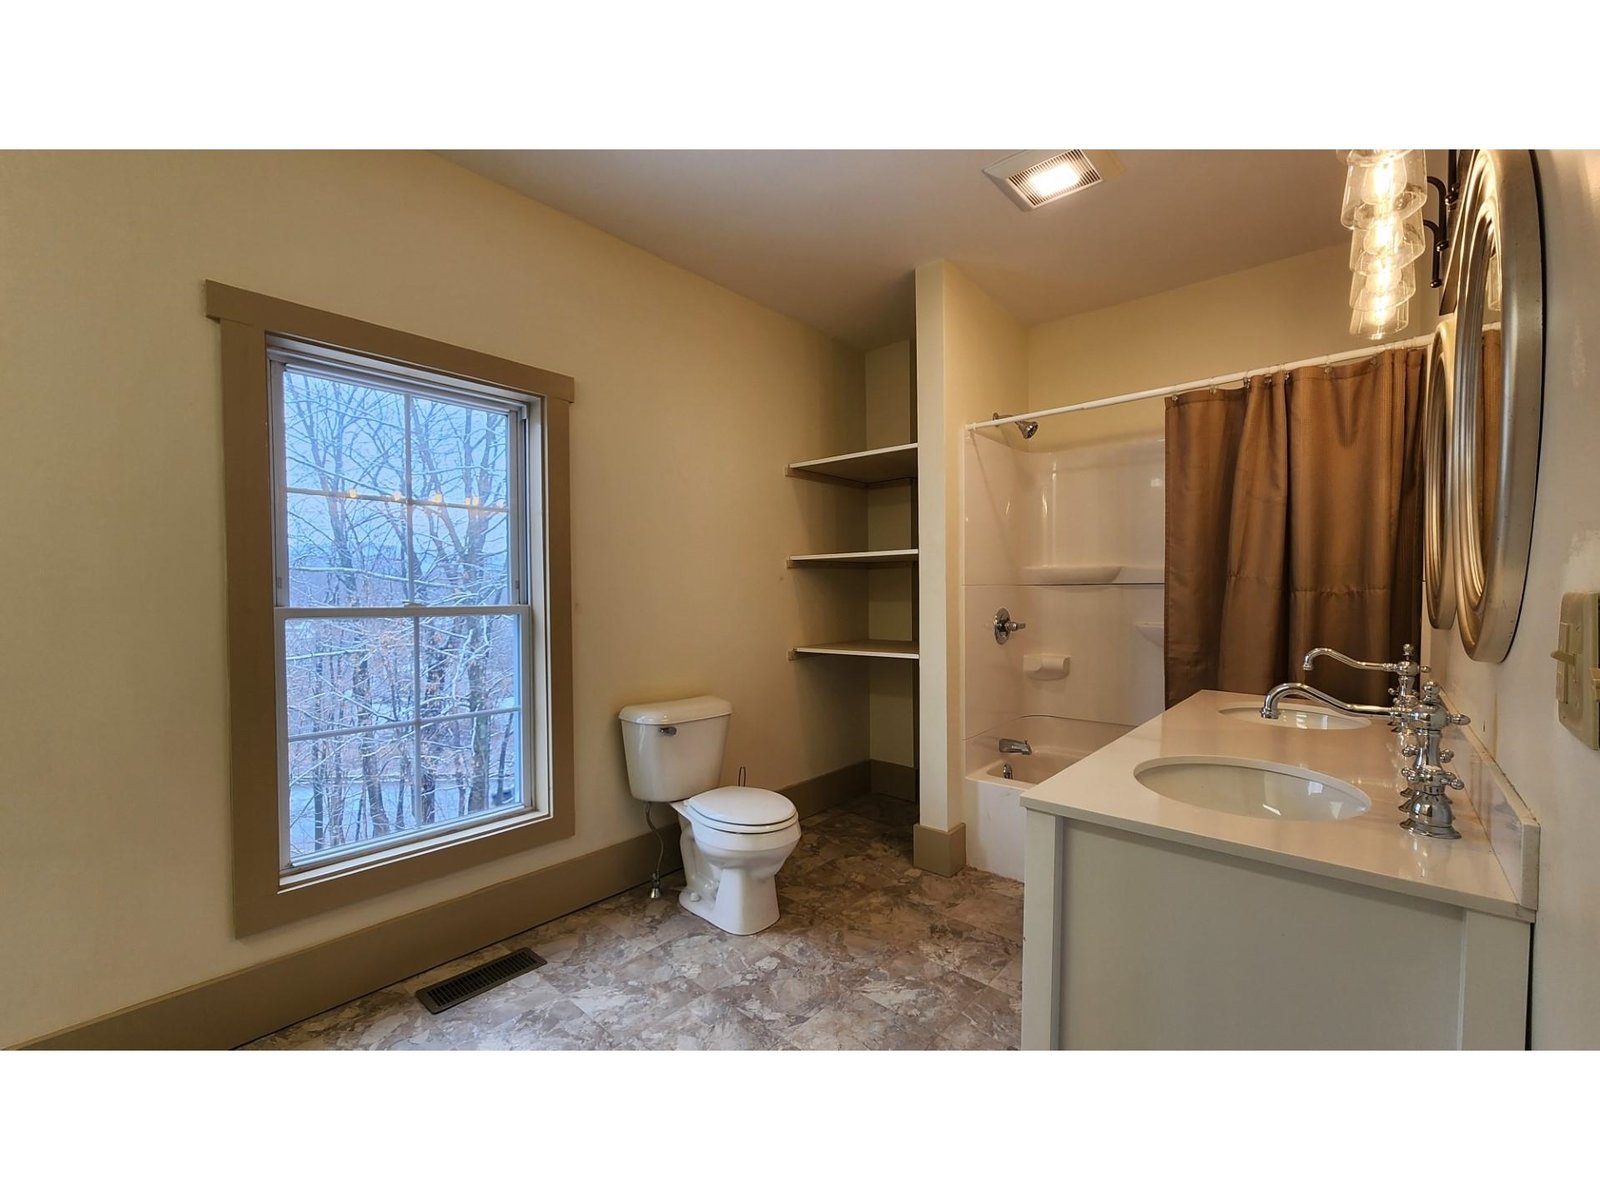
674 747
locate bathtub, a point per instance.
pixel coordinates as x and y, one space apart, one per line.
993 803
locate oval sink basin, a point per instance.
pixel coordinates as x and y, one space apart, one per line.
1297 716
1244 788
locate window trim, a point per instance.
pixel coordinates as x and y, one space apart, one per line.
262 898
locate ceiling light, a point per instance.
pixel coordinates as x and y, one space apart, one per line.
1036 177
1049 181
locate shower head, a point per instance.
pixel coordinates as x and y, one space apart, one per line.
1029 428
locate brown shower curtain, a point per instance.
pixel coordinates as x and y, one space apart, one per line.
1293 521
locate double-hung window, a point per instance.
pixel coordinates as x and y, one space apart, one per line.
405 561
400 662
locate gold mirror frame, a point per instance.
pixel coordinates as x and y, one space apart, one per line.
1492 484
1438 565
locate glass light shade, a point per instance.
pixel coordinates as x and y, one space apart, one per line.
1396 186
1366 158
1393 239
1388 284
1379 323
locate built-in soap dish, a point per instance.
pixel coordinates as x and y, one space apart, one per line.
1044 667
1154 632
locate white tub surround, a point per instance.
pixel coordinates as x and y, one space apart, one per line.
1152 922
993 803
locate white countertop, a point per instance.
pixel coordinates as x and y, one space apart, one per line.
1369 849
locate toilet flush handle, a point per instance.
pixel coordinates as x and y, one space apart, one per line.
667 730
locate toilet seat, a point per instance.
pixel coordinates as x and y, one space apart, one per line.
741 810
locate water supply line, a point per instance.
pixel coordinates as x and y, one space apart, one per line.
661 850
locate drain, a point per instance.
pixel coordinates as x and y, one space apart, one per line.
451 992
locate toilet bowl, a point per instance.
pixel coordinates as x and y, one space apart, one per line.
734 839
731 855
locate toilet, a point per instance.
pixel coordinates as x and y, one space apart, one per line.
734 839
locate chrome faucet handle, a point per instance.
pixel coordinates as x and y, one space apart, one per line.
1430 711
1435 775
1004 626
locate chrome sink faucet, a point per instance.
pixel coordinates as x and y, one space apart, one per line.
1423 719
1407 671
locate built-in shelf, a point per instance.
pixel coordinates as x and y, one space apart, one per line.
1081 575
867 648
889 464
860 558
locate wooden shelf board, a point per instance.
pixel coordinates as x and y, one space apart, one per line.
869 648
859 558
887 464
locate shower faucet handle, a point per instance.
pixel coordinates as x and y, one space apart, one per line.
1004 626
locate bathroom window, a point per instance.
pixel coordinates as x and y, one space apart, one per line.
400 669
405 629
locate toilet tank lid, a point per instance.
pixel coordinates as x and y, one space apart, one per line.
676 712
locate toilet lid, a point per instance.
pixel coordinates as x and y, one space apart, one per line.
745 806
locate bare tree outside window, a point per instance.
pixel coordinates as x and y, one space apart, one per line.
404 622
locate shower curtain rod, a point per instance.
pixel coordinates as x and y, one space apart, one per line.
1195 385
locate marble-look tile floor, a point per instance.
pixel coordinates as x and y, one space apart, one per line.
869 953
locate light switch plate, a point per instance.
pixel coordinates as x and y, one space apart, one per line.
1577 656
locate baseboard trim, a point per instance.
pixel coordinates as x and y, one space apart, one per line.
816 795
942 851
250 1003
894 779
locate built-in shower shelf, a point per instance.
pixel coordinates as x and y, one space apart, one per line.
1091 575
868 648
888 464
859 558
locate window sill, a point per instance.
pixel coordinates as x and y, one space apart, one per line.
488 827
269 901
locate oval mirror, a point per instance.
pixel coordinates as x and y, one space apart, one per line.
1438 566
1498 396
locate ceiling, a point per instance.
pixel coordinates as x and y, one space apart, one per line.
832 237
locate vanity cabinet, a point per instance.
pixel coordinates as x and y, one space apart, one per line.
1150 923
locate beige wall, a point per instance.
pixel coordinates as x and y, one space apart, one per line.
972 359
1513 703
1284 311
114 845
